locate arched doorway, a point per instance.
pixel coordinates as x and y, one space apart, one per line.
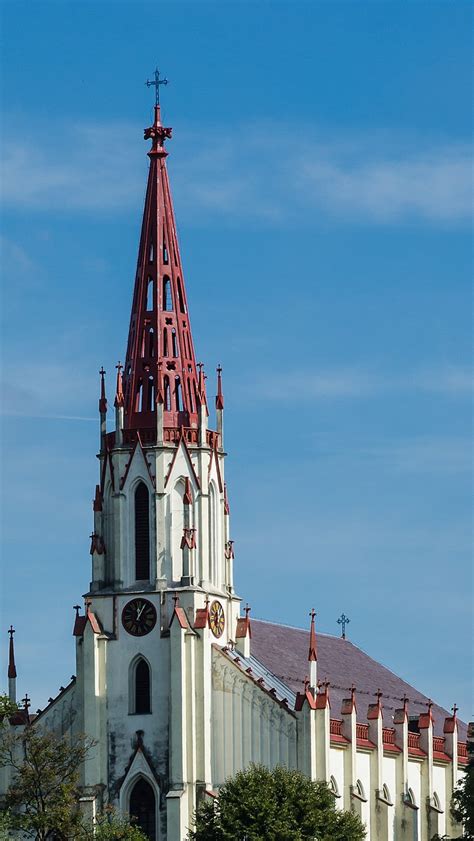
143 807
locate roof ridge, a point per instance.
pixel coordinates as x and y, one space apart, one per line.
295 628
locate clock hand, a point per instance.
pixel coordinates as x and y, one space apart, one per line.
140 611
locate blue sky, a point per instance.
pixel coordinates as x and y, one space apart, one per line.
321 176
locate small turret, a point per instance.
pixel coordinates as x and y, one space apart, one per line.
220 407
313 654
102 410
11 668
119 407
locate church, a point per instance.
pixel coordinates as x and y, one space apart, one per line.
175 681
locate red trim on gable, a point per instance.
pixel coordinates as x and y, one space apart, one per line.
202 618
182 439
180 614
138 443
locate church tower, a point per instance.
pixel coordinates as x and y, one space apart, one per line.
162 590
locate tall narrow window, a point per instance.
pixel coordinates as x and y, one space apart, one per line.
139 397
165 342
151 342
174 343
142 533
165 254
167 394
149 294
143 808
191 407
182 308
151 253
178 395
167 299
142 688
151 395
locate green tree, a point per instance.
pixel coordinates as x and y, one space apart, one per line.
114 827
43 796
280 805
462 804
7 707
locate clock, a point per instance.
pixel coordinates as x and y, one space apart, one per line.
217 618
139 617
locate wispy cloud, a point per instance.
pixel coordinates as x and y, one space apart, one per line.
98 167
357 382
422 455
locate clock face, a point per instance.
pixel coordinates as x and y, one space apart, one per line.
139 617
217 619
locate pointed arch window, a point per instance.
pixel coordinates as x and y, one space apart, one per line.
143 808
139 397
140 688
165 342
149 295
174 342
334 787
151 395
151 253
167 298
142 533
165 254
167 393
151 343
191 407
178 395
182 307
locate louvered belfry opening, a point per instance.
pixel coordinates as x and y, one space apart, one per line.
142 687
160 342
142 533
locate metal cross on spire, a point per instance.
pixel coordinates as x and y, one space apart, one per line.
343 620
156 84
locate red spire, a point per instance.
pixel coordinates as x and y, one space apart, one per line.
11 655
159 326
313 651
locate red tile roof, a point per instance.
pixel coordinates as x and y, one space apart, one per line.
283 650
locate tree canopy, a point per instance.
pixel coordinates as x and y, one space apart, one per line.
279 805
43 799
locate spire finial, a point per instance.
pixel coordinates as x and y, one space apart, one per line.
156 83
11 655
219 396
102 399
454 709
119 401
313 653
343 621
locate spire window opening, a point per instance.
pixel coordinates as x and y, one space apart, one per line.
174 342
142 533
196 397
151 253
182 307
142 688
142 347
167 393
174 255
149 295
167 298
178 395
189 346
151 395
165 254
151 343
191 407
139 397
